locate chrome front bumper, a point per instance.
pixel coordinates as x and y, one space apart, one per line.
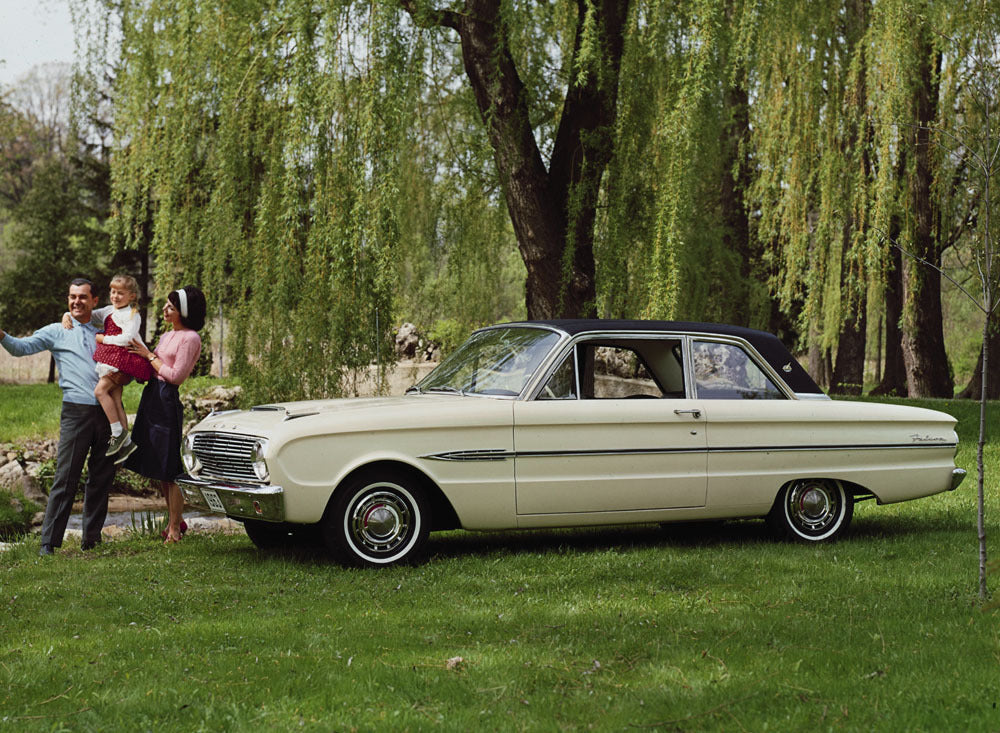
240 501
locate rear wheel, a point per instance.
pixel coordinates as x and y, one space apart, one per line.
812 510
377 519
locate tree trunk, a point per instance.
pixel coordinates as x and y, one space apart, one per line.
923 334
849 369
894 372
848 375
974 390
734 184
552 211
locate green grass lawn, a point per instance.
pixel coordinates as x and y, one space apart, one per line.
31 411
716 628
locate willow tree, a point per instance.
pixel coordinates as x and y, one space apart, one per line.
260 140
676 239
552 204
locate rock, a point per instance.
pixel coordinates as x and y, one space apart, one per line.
215 400
22 480
32 485
11 476
407 341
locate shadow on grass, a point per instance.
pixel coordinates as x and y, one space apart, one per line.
692 535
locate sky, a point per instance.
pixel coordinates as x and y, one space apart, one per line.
33 32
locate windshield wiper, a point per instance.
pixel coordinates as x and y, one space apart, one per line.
449 390
414 388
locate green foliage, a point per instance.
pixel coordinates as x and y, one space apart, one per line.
449 334
147 524
323 171
268 176
16 514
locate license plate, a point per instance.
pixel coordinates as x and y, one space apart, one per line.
213 501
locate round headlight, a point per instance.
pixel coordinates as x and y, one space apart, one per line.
191 462
259 464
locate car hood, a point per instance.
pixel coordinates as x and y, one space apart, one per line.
356 413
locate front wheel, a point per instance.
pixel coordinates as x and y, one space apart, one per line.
812 510
377 520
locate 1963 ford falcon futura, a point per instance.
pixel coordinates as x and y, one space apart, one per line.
569 423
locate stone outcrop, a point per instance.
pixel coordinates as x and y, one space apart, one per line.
412 346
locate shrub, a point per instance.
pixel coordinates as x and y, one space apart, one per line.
448 334
16 513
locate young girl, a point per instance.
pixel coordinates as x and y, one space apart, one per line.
116 365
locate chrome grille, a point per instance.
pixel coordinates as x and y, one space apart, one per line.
226 455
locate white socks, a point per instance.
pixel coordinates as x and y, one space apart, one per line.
116 429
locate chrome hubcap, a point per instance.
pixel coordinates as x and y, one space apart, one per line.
380 521
812 506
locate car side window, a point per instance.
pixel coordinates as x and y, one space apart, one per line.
726 372
615 372
562 384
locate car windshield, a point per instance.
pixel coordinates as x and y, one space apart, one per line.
497 361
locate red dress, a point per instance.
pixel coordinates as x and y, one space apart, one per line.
121 358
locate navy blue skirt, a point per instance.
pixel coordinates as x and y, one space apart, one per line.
157 432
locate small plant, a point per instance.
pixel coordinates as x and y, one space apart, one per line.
47 473
16 513
147 523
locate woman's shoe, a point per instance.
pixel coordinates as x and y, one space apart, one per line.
184 528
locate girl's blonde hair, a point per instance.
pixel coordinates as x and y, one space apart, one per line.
127 282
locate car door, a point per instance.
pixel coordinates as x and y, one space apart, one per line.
632 444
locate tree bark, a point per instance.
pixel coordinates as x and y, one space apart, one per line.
894 371
923 333
552 210
849 369
734 184
735 180
974 390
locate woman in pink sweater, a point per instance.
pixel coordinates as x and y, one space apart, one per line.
160 418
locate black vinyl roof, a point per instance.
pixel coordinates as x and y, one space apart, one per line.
767 344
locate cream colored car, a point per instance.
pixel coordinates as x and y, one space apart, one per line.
569 423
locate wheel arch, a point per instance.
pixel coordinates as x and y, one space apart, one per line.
855 490
443 515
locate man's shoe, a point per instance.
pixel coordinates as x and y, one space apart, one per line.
89 545
46 550
128 449
115 444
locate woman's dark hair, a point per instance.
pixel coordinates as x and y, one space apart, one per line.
196 307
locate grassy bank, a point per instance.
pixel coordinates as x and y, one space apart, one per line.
637 628
31 411
615 629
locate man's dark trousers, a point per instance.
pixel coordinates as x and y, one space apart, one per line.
82 429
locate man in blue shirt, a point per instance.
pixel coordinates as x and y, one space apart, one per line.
83 427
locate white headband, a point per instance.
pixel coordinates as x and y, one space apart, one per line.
182 300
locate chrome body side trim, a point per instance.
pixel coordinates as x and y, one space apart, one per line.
957 477
501 455
487 454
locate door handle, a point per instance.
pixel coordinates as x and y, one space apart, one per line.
696 413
